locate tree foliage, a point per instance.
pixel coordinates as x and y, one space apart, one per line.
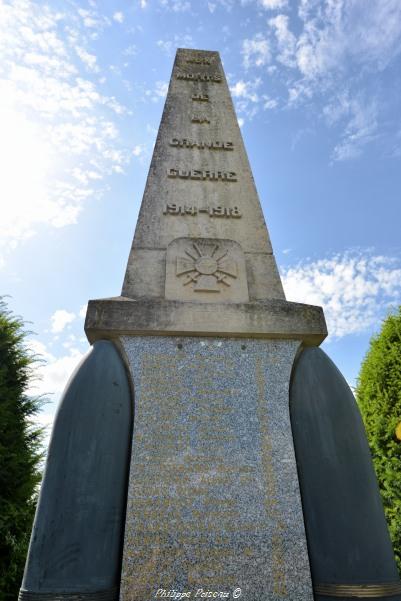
379 397
20 452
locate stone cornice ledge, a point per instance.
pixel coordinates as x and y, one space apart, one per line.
112 317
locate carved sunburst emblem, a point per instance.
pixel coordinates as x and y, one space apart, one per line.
206 267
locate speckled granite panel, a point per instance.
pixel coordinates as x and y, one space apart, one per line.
213 501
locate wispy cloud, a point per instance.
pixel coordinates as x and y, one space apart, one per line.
60 319
256 51
338 47
58 130
361 124
118 17
366 33
54 372
92 19
246 96
88 59
286 40
176 6
177 41
158 92
245 89
272 4
137 150
354 288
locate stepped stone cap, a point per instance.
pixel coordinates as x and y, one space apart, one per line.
114 317
201 261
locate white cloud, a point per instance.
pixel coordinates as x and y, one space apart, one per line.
273 4
93 20
339 45
373 30
137 150
53 373
299 92
366 33
165 45
355 289
227 5
83 310
88 59
143 3
286 40
161 88
159 91
320 46
246 97
178 41
269 103
56 126
361 124
176 6
246 89
60 319
256 51
118 16
330 63
44 419
131 50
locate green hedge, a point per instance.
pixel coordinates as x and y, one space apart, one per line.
378 394
20 452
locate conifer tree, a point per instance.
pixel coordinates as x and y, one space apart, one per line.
378 394
20 452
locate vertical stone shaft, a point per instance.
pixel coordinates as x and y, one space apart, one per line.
200 185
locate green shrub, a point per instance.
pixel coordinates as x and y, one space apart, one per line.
20 452
378 394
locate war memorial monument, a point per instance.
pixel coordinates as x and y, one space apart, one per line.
206 448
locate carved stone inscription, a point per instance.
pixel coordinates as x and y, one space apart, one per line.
200 119
222 176
206 270
213 78
205 502
199 61
200 97
184 143
172 208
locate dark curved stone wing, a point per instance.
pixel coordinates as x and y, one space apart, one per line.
75 549
349 546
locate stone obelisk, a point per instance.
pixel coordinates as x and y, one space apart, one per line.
206 447
213 498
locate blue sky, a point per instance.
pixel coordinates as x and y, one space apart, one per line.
317 89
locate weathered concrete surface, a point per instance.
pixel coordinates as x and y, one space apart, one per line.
109 318
75 549
213 499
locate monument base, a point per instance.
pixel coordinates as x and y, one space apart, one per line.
213 501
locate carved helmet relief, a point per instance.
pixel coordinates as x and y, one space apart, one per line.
206 270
